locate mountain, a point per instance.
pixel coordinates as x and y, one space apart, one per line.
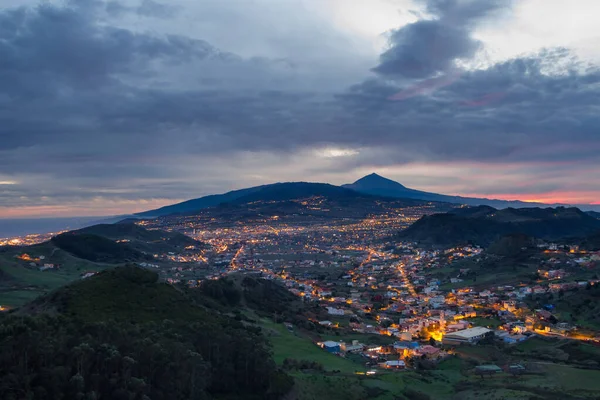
280 196
190 206
308 203
122 334
483 225
379 186
373 185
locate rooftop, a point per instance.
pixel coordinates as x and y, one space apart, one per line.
469 333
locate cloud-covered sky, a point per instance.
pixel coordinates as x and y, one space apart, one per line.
110 107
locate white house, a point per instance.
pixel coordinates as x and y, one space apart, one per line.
335 311
472 335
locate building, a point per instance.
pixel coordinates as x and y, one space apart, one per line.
330 346
429 352
335 311
488 369
469 336
350 348
395 364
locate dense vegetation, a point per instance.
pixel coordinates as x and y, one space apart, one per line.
264 297
97 248
580 306
123 335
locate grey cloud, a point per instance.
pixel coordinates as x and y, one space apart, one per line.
88 106
427 47
151 8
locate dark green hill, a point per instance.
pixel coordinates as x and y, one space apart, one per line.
511 245
123 335
591 243
140 238
109 295
97 248
265 297
483 225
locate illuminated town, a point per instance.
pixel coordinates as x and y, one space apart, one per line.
367 283
421 303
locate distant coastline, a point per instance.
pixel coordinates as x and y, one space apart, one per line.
25 226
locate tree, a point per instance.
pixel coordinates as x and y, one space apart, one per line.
488 338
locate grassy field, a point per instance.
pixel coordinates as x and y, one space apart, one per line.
318 387
15 298
362 338
491 323
451 379
294 345
26 282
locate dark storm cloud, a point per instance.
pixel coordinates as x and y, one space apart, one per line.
424 48
427 47
87 106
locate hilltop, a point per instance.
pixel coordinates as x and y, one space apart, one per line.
97 248
140 238
124 335
482 225
70 255
121 293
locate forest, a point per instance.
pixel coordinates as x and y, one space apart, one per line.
112 337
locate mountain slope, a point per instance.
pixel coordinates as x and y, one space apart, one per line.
483 225
190 206
277 192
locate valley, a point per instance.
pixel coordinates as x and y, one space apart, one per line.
356 296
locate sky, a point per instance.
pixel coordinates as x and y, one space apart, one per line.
113 107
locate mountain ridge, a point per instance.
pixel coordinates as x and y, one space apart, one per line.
372 185
377 185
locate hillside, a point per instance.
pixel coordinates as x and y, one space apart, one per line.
142 239
97 248
483 225
123 335
193 205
